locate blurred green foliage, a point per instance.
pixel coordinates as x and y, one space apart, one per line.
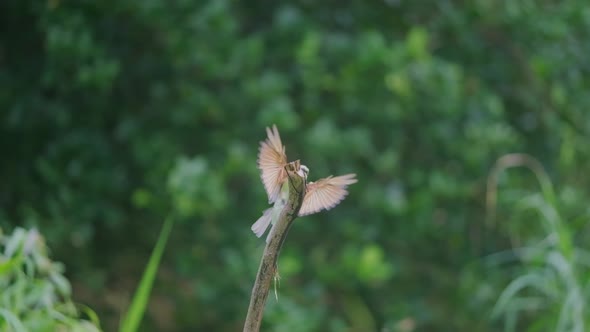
115 114
552 279
35 294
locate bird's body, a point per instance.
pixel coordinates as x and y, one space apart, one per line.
323 194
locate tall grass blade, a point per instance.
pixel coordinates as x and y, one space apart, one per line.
134 315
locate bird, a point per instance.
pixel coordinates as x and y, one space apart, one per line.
323 194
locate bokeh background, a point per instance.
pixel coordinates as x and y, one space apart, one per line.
117 114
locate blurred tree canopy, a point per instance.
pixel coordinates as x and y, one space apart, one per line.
115 114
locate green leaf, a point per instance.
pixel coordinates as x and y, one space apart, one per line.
134 315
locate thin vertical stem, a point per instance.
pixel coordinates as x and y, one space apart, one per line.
268 264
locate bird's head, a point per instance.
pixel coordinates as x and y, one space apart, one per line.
303 171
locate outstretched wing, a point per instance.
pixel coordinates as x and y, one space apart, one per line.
271 162
325 193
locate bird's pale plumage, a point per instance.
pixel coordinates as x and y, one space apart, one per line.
271 162
260 226
323 194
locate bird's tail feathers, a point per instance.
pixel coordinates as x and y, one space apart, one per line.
260 226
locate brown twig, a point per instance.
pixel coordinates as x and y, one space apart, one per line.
268 264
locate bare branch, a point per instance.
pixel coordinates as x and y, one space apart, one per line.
268 264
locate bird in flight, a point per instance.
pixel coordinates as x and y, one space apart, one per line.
323 194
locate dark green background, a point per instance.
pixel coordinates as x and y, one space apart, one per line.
115 114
